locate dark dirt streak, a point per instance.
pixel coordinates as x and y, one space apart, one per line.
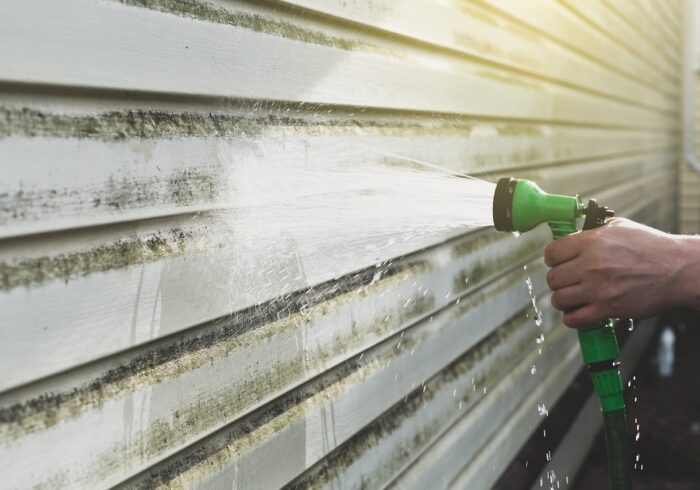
160 124
182 188
96 392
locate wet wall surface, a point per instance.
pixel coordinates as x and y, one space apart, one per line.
667 410
157 325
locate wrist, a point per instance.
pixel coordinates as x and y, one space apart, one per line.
684 278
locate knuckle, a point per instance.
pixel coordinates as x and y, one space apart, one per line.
607 292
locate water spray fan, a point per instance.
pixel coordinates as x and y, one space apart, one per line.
519 206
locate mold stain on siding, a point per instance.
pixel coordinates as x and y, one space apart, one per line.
181 188
202 462
309 119
338 461
123 253
196 464
253 326
206 413
238 330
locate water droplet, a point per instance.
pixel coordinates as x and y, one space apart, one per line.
533 369
540 338
549 456
516 234
542 409
538 318
636 438
630 326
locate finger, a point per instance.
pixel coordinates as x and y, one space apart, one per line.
562 250
584 316
564 275
571 297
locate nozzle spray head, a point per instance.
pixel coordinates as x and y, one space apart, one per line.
520 205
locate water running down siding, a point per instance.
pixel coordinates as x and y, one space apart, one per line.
187 344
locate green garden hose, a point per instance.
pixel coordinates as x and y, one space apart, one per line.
617 442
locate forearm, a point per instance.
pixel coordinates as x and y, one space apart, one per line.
686 278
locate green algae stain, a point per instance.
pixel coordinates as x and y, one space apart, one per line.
126 252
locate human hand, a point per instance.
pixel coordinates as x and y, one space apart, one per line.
620 270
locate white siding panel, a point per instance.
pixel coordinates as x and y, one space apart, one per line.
148 338
226 61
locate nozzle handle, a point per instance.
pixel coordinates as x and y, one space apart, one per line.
598 343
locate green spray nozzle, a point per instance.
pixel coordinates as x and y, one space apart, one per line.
520 205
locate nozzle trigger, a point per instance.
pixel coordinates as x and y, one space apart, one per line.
596 215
